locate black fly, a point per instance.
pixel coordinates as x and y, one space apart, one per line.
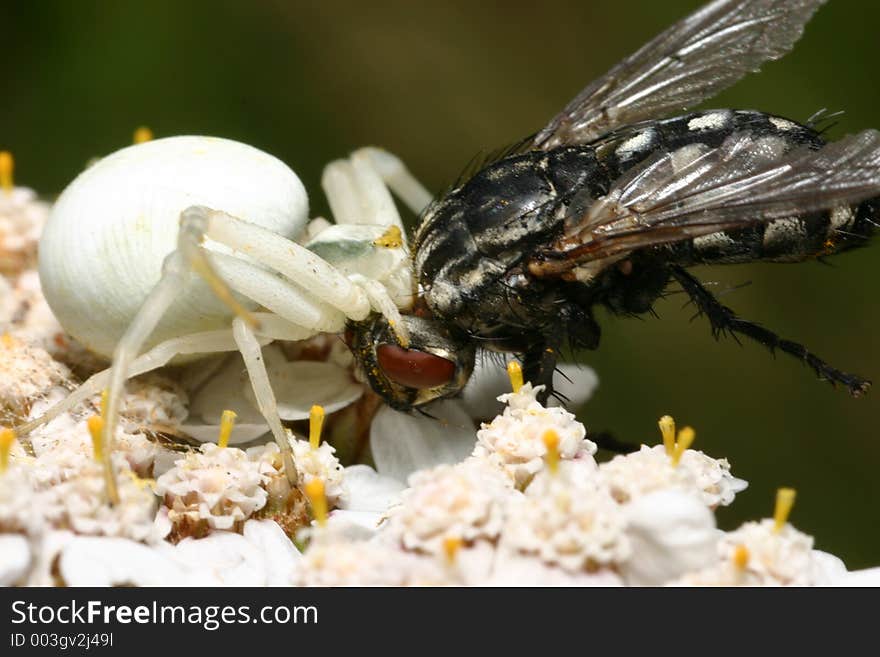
610 203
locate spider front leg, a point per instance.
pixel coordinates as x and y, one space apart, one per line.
368 242
357 189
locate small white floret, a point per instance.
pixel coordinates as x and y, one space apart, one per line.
651 469
514 441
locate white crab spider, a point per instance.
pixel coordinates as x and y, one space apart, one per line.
118 256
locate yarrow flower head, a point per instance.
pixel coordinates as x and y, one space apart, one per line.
22 217
321 463
31 503
464 501
329 561
671 466
568 520
514 441
64 446
771 552
80 504
215 486
27 374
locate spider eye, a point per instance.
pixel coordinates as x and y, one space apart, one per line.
413 368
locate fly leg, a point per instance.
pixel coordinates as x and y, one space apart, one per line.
539 363
724 320
607 441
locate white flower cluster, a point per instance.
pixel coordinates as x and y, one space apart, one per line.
338 561
463 502
759 554
215 485
25 313
154 402
32 502
522 515
64 445
515 439
320 463
22 217
651 469
567 519
27 374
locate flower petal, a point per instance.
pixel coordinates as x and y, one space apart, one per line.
297 386
222 558
370 491
15 559
280 553
672 532
354 525
241 433
224 390
573 381
102 561
867 577
300 384
405 442
828 569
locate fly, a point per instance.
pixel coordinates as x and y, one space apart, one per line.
611 202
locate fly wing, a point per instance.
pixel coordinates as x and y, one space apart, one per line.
691 61
697 190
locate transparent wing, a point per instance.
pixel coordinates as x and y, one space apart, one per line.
688 63
697 190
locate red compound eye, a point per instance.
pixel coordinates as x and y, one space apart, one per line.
414 369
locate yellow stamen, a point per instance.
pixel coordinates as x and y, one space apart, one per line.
390 239
514 371
685 439
7 166
142 134
315 492
451 546
741 557
227 422
667 428
551 442
7 341
7 437
316 422
96 426
784 503
96 430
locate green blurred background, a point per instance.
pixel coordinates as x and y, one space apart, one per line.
436 82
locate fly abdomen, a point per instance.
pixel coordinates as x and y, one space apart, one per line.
791 239
623 149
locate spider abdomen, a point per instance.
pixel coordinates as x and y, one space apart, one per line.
103 246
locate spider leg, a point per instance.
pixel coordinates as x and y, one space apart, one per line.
394 173
272 328
357 189
252 354
205 342
293 261
724 320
